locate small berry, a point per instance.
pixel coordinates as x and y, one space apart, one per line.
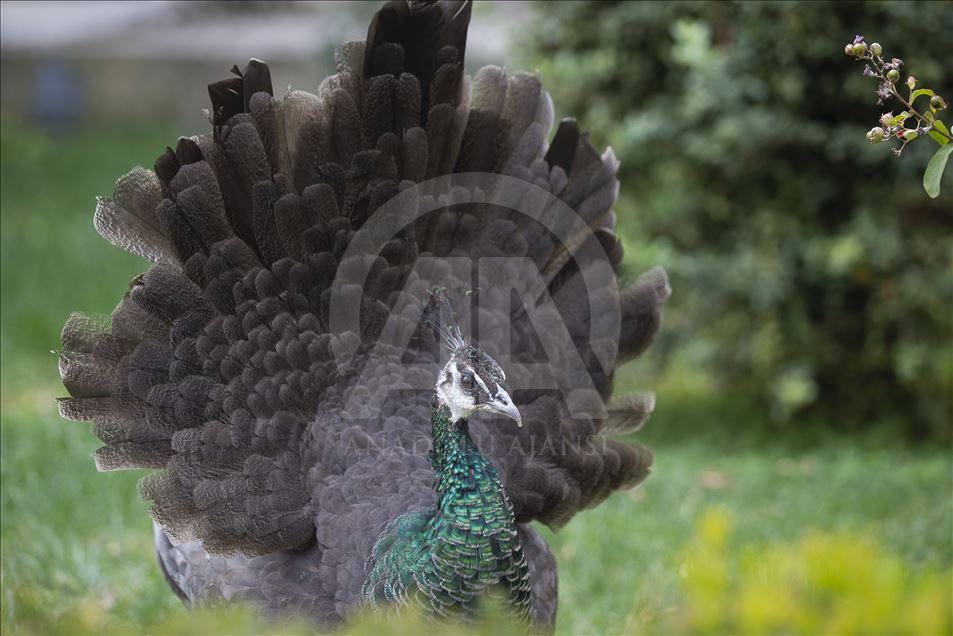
875 48
885 119
860 49
937 103
893 75
876 135
849 49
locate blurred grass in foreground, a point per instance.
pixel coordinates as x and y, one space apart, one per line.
76 545
825 583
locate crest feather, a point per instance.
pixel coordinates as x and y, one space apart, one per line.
440 316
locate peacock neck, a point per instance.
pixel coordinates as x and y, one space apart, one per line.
465 482
467 546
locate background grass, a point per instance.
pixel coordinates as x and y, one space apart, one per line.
76 546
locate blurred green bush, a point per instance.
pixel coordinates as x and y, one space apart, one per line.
809 268
826 583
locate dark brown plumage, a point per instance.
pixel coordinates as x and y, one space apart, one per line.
221 366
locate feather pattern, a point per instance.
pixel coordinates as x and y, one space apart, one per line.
278 466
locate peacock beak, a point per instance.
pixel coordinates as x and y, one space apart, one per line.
501 404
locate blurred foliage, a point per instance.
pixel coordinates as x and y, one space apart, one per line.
825 583
809 268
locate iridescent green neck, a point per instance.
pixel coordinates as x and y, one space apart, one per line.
469 544
472 535
464 476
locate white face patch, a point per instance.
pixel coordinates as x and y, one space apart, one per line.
448 389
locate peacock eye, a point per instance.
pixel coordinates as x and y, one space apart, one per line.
466 381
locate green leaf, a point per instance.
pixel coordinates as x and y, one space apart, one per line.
936 136
920 93
898 119
934 171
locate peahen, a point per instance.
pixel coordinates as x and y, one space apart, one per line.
342 415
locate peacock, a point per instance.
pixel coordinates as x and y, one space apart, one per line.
377 337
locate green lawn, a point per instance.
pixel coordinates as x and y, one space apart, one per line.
76 545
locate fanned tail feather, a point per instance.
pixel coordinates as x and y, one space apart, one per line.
217 367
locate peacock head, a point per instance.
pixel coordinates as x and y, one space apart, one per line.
472 381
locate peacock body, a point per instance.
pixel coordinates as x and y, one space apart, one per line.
317 447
